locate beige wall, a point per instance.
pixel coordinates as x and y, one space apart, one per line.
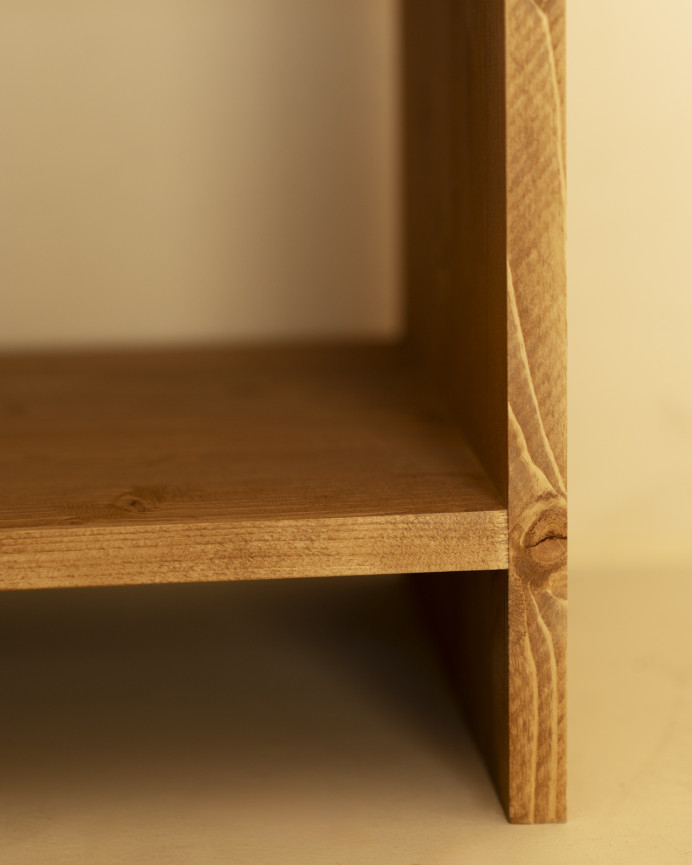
630 281
158 183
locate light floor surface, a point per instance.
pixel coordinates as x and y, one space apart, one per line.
307 721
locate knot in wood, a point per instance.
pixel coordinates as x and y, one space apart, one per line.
546 538
133 503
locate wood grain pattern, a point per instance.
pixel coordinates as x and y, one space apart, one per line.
233 464
486 189
456 245
246 550
454 198
536 330
157 467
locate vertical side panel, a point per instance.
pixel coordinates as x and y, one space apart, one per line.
455 229
485 262
456 292
467 615
536 332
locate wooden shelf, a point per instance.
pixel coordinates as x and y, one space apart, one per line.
145 467
161 466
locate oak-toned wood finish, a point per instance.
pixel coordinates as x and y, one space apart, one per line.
243 464
467 616
233 464
517 709
454 201
537 410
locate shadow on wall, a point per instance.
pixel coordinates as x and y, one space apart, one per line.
191 171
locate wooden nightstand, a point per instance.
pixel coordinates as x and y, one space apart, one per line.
442 455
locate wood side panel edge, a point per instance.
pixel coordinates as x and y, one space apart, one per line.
536 331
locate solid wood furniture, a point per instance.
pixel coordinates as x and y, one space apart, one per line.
443 455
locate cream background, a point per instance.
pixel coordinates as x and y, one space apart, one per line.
183 170
629 103
159 183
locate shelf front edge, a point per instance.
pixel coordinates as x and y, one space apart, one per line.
194 552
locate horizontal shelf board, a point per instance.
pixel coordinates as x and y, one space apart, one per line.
233 464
